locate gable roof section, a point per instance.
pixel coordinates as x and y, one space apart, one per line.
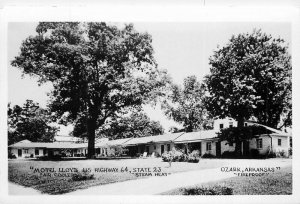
194 136
112 142
275 131
151 139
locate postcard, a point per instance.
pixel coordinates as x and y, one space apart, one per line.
165 105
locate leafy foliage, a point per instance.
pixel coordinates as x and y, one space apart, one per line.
194 156
174 129
251 76
212 190
137 124
175 155
185 105
29 122
82 176
134 125
97 70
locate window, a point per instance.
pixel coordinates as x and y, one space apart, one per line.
221 126
259 143
246 124
26 151
154 147
208 146
230 124
279 142
168 147
36 151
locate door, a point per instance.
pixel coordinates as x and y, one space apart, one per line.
162 149
218 149
50 153
19 152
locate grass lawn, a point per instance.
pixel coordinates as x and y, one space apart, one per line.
22 172
279 183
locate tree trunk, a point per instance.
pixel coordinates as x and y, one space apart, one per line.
91 127
238 148
238 145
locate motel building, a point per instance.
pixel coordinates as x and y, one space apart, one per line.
206 141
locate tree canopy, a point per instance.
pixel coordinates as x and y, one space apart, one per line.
135 125
29 122
185 105
251 76
97 70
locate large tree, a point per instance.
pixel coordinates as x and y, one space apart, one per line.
185 105
251 76
97 70
135 125
29 122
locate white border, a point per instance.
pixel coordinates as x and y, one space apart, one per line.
150 12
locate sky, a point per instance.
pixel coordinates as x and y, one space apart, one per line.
183 49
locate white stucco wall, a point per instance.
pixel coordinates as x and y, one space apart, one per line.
226 122
158 147
226 147
30 151
284 144
266 144
213 148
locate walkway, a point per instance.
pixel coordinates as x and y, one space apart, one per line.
155 185
15 189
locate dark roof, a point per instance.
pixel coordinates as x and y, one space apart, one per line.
201 135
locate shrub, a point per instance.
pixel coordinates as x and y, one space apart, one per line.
194 156
280 153
290 151
174 156
208 155
271 154
166 156
228 154
183 158
11 156
82 176
214 190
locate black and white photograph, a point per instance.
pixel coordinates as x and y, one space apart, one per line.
160 108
